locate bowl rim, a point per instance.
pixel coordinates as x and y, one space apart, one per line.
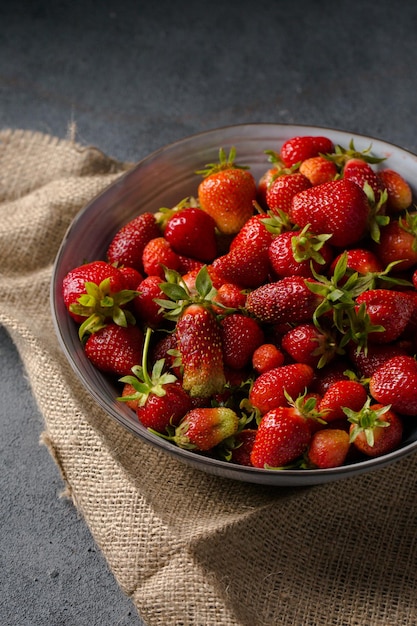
282 477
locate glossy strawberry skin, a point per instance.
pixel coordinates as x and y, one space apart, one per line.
243 446
399 192
283 188
318 170
345 393
388 308
283 262
268 390
199 342
158 254
398 244
386 438
159 412
228 197
287 300
127 245
339 208
192 232
240 336
300 148
360 260
115 349
283 435
246 266
328 448
267 357
395 383
204 428
73 285
146 309
360 172
305 343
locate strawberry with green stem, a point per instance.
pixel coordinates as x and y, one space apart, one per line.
375 429
159 397
227 192
95 295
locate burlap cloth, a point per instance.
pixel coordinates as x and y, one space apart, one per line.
189 548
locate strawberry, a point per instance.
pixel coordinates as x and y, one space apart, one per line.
339 208
361 172
227 193
318 170
334 371
282 189
288 300
242 447
131 276
375 429
253 232
127 245
266 357
366 362
115 349
240 336
192 233
272 388
282 436
95 294
147 310
305 343
246 264
200 346
360 260
158 398
230 296
328 448
158 255
341 394
398 242
299 149
387 309
399 192
293 253
395 383
204 428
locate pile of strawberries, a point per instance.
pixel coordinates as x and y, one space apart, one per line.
268 323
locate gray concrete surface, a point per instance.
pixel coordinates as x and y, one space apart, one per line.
134 76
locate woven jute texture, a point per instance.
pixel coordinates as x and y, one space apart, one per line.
190 549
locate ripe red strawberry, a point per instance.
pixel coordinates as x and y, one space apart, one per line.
127 245
399 192
282 436
200 346
305 343
339 208
188 264
366 362
375 429
247 263
242 447
398 242
240 335
131 277
230 296
395 383
282 189
386 308
115 349
147 310
342 394
95 294
299 149
328 448
192 232
318 170
332 372
288 300
254 232
270 388
267 357
360 260
204 428
158 254
190 278
292 253
361 172
227 193
157 397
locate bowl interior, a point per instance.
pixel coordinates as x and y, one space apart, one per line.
161 180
